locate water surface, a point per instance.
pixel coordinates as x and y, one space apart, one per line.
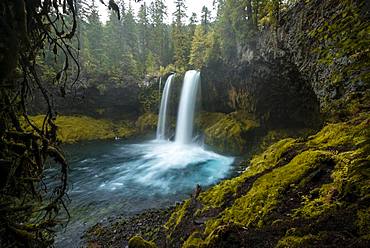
114 178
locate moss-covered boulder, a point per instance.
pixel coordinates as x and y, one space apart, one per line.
232 133
139 242
298 193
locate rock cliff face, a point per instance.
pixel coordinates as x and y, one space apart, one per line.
315 61
271 90
328 43
117 102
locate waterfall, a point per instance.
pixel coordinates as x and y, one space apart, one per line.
163 110
185 118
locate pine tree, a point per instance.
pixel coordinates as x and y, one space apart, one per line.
180 38
113 44
198 48
192 23
143 36
158 15
92 52
206 16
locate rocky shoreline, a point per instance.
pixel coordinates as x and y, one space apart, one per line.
118 231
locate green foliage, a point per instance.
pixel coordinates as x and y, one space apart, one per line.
163 71
128 49
151 64
181 39
149 98
198 48
193 241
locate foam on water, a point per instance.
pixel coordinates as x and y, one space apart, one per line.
168 165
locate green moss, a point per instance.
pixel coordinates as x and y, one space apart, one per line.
276 135
193 241
207 119
77 128
229 133
177 216
216 196
147 122
363 223
296 242
266 193
139 242
325 175
315 207
273 154
342 134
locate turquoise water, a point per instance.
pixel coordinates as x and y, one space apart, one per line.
114 178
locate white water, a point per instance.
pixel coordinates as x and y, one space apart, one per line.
163 110
166 167
185 118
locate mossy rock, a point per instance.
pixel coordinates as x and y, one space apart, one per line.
139 242
296 241
231 133
73 129
303 192
147 122
207 119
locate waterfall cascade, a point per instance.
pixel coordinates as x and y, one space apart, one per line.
185 118
163 110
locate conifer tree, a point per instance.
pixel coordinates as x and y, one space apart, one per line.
198 48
